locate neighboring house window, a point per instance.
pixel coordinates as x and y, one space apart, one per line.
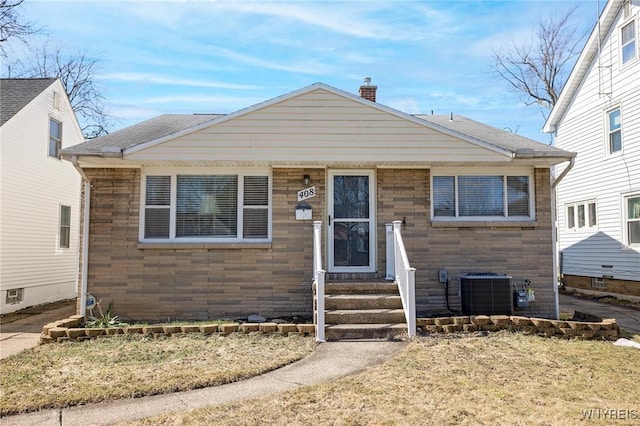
582 215
628 42
482 196
615 130
598 283
55 138
225 207
65 226
633 219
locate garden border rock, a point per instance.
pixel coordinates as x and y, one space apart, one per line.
72 328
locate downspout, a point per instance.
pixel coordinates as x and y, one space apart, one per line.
554 231
85 236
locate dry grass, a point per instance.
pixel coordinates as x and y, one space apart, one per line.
55 376
507 378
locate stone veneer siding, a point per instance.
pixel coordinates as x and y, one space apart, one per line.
273 280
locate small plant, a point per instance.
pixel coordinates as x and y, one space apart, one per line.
105 320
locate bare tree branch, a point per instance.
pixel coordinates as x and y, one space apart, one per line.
12 25
538 70
77 72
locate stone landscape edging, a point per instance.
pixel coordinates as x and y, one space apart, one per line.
72 328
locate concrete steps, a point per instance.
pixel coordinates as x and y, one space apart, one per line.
363 310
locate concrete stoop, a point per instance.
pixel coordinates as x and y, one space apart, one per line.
363 311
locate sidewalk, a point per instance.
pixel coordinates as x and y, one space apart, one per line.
330 361
625 317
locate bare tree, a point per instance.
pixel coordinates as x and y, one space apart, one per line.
12 25
77 71
538 70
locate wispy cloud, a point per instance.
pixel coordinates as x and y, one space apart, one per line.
173 81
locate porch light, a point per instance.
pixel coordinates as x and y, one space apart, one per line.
306 179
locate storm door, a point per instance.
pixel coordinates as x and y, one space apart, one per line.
351 221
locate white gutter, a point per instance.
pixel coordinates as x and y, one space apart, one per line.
85 236
554 232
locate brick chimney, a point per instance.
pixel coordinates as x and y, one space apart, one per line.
367 91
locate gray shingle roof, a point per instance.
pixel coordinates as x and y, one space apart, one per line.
146 131
492 135
16 93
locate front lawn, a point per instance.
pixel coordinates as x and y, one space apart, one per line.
60 375
502 379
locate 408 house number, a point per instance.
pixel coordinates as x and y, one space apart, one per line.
307 193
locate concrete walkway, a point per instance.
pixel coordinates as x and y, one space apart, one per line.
625 317
329 361
20 331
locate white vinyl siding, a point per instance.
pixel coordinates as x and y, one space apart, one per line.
215 207
30 255
482 196
598 175
321 126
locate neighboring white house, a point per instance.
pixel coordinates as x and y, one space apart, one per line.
598 116
39 194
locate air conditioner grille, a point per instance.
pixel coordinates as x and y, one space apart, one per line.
486 294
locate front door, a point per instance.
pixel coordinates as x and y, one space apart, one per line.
351 221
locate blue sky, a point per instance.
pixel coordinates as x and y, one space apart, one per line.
220 56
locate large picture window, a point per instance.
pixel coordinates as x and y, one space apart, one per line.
224 207
482 196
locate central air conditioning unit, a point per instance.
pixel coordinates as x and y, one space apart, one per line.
486 294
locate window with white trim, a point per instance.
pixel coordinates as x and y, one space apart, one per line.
582 215
206 207
628 42
614 128
632 219
65 227
55 138
482 197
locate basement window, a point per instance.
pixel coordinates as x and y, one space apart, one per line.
599 283
15 295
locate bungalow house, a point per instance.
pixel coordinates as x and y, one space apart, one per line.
40 193
598 116
210 216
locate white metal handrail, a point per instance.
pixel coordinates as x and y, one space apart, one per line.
405 278
318 280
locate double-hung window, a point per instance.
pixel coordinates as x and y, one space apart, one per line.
65 227
628 42
614 127
632 218
482 197
206 207
55 138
